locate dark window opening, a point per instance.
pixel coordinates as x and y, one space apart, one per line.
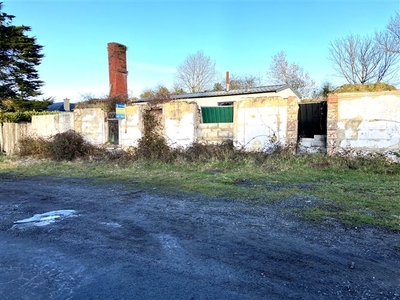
230 103
113 129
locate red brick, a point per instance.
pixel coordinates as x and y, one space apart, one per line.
118 73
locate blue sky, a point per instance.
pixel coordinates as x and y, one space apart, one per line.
240 36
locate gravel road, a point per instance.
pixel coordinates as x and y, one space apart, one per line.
65 238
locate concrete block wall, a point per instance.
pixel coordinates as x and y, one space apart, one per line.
178 123
92 124
364 121
214 133
41 125
263 123
312 145
130 128
48 125
11 134
180 120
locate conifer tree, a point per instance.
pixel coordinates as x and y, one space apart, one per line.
19 57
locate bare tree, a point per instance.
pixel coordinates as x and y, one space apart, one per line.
282 72
243 82
390 37
239 82
362 60
196 73
157 94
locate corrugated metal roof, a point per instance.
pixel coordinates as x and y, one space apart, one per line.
261 89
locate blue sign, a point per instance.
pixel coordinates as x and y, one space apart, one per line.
120 110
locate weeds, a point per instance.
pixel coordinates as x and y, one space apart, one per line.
35 146
373 87
348 188
68 146
152 145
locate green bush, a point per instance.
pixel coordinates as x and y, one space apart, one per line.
22 116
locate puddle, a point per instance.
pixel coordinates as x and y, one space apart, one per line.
47 218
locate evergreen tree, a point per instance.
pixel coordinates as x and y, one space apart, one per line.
19 57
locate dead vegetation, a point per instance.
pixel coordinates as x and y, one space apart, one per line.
373 87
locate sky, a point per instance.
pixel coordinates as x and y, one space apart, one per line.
240 36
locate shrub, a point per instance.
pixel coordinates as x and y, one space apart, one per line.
153 146
203 152
108 104
22 116
70 145
34 146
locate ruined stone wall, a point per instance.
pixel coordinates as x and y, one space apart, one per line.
130 128
180 120
364 121
261 124
258 125
214 133
48 125
11 134
92 124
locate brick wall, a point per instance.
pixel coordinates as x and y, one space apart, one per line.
118 73
331 126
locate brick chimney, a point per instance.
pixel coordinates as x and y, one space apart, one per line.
118 73
227 81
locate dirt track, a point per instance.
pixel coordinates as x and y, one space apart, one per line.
121 243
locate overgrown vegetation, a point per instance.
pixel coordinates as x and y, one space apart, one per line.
373 87
108 104
347 188
67 146
152 145
350 190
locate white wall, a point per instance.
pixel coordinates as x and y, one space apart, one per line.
130 128
48 125
92 124
260 123
369 121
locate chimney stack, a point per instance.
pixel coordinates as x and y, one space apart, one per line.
118 73
67 106
227 81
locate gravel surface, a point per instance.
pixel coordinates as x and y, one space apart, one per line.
63 238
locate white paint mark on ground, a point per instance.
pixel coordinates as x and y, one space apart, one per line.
112 224
48 217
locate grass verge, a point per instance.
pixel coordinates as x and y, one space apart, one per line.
363 193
